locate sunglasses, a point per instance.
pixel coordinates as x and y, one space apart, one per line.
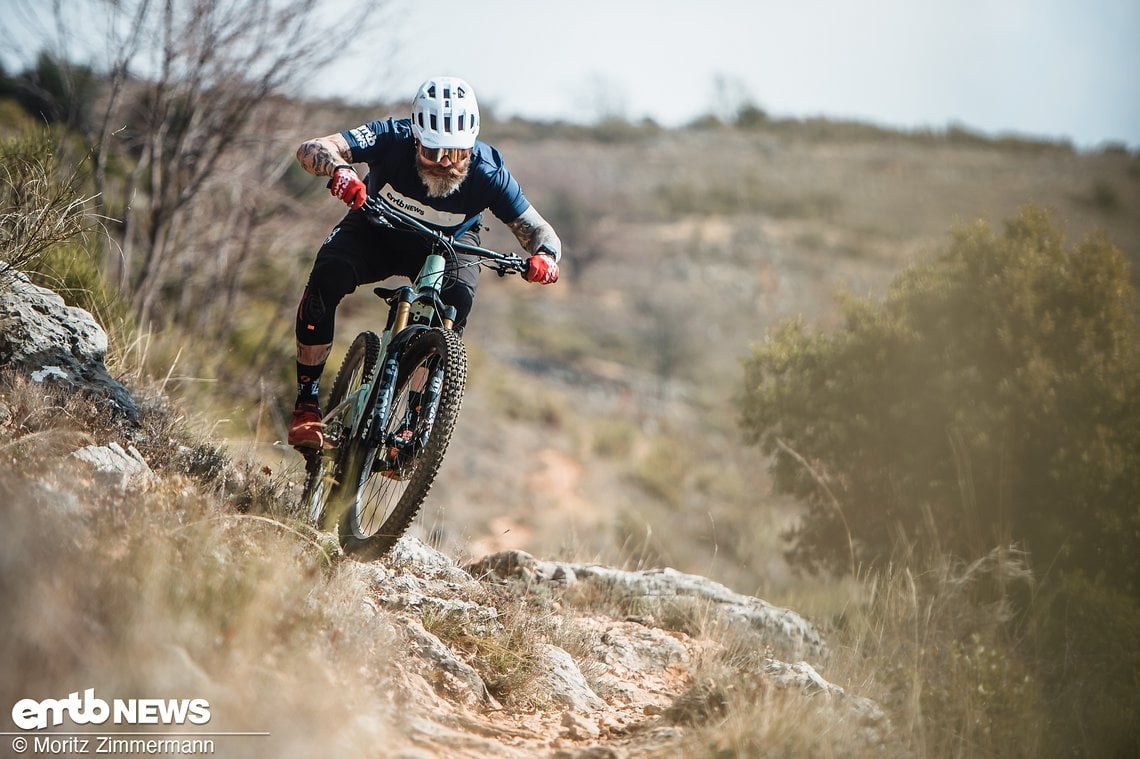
435 155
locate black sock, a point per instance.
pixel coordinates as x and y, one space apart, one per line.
308 382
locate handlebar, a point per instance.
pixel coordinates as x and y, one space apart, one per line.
385 214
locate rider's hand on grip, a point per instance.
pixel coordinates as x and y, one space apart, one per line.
541 269
346 186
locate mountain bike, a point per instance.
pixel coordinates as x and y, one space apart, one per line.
393 404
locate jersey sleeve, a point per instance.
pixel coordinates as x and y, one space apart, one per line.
366 140
508 201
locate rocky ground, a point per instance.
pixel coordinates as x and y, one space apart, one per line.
506 656
630 683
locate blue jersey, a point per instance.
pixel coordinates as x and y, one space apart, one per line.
389 149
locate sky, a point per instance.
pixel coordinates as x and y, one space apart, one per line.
1056 69
1052 69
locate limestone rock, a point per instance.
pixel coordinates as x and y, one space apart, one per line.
564 682
786 631
125 468
55 343
447 672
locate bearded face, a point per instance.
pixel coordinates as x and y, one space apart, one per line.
441 179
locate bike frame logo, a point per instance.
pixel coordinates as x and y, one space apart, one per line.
29 714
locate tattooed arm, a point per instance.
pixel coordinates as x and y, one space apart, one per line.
536 235
321 156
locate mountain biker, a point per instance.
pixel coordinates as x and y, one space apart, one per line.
429 165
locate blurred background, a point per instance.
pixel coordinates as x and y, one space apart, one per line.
846 286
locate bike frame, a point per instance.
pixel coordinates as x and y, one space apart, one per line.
407 306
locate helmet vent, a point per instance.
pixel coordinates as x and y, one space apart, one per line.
445 113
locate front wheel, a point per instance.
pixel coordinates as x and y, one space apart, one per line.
395 475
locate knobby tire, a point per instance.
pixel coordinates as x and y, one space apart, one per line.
380 513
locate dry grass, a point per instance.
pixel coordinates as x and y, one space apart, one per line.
41 202
734 714
161 590
933 649
503 650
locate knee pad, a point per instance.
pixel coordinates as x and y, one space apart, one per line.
329 282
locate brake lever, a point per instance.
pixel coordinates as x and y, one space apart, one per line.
376 215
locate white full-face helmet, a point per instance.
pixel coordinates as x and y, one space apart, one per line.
445 113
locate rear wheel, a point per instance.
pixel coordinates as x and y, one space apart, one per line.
323 469
394 477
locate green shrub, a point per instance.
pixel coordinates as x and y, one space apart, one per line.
662 470
993 396
40 205
1101 196
56 91
934 646
14 119
1085 633
612 437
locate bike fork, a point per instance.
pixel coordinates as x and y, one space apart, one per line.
429 399
387 383
423 404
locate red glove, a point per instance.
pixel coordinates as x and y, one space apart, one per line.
542 269
348 187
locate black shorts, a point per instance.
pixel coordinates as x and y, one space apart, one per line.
359 252
376 253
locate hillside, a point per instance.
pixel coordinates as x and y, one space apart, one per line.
597 459
601 410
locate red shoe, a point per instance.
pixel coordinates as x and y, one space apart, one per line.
305 428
